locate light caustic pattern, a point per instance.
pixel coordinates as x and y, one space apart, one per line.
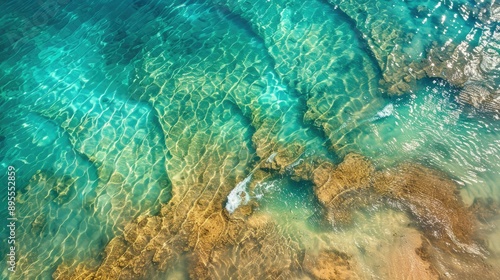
133 123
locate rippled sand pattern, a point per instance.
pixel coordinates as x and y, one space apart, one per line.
267 139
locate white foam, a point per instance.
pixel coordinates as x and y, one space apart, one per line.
271 157
387 111
265 187
294 164
238 195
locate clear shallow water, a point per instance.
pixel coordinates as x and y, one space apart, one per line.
110 109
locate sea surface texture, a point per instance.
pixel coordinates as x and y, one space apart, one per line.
250 139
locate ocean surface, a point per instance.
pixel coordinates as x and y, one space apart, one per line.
265 139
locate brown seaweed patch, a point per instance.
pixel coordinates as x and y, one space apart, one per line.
353 173
435 202
485 209
331 185
258 250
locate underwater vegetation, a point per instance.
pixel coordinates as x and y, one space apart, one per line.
266 139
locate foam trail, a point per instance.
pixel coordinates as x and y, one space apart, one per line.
238 195
387 111
271 157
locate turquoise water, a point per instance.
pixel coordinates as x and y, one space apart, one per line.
111 110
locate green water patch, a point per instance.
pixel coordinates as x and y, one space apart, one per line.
318 55
49 203
34 143
74 196
89 159
293 203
